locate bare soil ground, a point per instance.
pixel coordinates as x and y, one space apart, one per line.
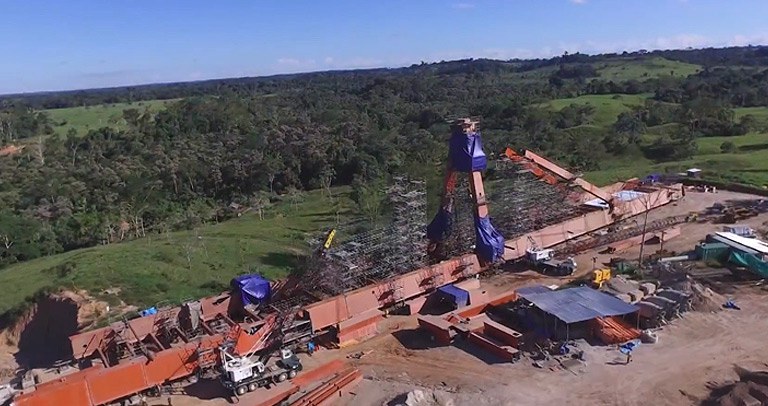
698 349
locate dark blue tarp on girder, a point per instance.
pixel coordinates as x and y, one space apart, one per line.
440 227
489 243
577 304
466 152
253 289
458 296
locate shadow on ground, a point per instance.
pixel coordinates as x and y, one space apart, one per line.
478 352
414 339
282 260
207 389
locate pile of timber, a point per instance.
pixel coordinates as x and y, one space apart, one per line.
611 330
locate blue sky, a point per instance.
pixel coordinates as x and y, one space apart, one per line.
72 44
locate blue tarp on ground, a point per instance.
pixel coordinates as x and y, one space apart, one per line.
458 296
440 227
578 304
489 243
253 289
466 152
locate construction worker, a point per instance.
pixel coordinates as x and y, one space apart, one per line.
310 347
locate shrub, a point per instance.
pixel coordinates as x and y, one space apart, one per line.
727 147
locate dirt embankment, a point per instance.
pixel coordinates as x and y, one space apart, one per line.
40 336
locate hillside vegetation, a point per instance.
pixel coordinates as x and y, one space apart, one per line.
184 264
114 172
85 118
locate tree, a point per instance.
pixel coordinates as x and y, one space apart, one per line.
260 202
727 147
295 196
369 197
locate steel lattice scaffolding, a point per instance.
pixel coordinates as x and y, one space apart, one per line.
462 231
522 202
380 253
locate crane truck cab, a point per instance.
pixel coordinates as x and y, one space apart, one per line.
544 261
244 374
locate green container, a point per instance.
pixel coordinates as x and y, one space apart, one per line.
712 250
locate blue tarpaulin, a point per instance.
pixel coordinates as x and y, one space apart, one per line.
458 296
489 243
578 304
440 227
466 152
253 289
653 178
148 312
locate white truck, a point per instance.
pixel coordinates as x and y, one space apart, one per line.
246 374
544 260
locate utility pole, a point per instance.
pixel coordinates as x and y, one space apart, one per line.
642 239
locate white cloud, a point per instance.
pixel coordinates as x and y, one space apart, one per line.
294 65
463 6
680 41
578 1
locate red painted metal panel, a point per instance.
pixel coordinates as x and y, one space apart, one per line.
363 300
327 313
67 391
501 333
117 382
170 365
504 352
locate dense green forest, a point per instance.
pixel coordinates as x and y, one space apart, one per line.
244 142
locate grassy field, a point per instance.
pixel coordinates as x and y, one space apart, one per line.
748 164
86 118
618 70
607 106
759 113
185 264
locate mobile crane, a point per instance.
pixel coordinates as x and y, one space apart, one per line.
248 372
242 374
544 260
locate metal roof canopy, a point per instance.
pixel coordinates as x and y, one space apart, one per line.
751 243
577 304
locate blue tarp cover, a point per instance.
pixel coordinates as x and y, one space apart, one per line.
489 243
148 312
466 152
459 296
578 304
440 227
253 289
654 177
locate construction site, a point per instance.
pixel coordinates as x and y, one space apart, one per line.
533 286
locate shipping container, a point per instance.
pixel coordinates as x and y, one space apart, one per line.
712 250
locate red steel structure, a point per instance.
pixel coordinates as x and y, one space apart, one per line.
133 356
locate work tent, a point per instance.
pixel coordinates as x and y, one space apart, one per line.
577 304
252 289
459 297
